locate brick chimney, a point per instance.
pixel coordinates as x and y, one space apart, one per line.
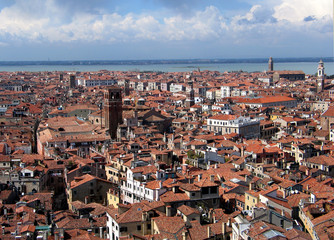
168 211
223 229
184 235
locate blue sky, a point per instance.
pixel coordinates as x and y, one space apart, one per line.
164 29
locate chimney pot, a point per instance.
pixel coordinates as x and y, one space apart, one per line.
223 228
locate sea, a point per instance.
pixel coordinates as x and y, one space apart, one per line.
308 65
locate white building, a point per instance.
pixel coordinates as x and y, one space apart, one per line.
96 82
211 94
177 88
113 228
140 186
331 135
225 124
226 90
239 228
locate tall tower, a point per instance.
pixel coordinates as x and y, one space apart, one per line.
126 88
112 109
72 81
321 77
270 64
190 101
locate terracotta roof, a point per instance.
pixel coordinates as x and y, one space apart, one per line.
329 112
186 210
223 117
28 228
170 196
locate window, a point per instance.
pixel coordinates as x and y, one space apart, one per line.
205 190
138 227
214 190
123 229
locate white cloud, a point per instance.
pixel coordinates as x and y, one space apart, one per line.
297 10
85 26
49 21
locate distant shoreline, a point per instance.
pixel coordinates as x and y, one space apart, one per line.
156 62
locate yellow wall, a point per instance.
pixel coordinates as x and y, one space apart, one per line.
250 201
112 199
273 117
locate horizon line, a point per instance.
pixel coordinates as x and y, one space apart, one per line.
198 60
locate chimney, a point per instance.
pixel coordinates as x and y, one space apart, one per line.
229 222
199 177
284 193
212 178
184 168
101 232
86 200
242 154
168 211
210 215
184 235
283 213
144 216
223 229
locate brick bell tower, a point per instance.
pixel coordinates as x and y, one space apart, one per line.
321 77
190 100
112 110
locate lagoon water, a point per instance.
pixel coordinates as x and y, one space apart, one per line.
307 67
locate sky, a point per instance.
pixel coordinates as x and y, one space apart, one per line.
164 29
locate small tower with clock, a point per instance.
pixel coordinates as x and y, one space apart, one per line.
321 77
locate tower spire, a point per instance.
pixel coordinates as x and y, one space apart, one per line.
270 64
